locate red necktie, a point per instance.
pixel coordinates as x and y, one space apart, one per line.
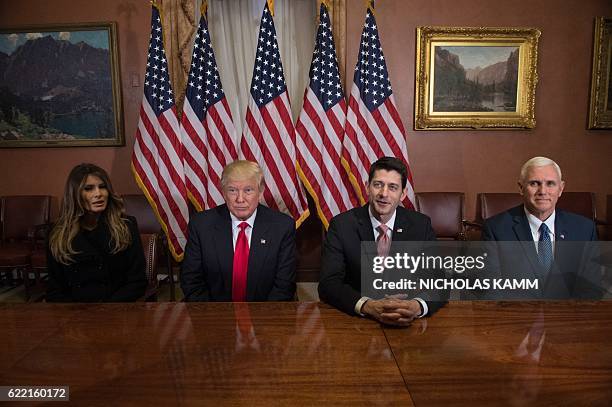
241 265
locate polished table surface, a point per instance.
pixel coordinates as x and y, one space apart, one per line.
469 353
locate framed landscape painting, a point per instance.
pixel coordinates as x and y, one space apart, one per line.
600 109
475 78
60 87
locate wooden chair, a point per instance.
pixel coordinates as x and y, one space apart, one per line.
150 246
581 203
138 206
22 218
446 210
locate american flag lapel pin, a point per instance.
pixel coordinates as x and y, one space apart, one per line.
400 230
263 241
562 236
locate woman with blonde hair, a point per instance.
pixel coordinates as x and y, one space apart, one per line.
94 252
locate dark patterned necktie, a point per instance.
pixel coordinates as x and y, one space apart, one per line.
545 253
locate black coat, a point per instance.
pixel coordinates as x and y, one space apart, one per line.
97 275
340 279
206 273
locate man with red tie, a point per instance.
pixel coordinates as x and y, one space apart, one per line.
241 250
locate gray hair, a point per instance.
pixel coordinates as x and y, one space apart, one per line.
538 162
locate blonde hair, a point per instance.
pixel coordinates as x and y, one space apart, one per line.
242 170
538 162
71 210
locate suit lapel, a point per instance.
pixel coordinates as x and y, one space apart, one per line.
258 250
366 234
225 247
561 234
402 227
523 234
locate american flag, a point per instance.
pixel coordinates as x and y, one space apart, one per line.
269 136
207 130
320 130
156 161
373 128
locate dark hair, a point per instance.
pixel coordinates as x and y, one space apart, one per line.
389 164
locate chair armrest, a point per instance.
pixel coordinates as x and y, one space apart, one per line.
471 224
41 230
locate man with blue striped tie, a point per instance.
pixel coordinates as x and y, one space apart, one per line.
559 265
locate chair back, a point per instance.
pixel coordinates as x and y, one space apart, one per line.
446 210
581 203
150 247
491 203
20 213
137 206
608 224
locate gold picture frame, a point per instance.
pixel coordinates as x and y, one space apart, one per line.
475 78
600 107
60 86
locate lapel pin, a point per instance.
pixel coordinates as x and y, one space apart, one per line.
399 230
263 241
562 237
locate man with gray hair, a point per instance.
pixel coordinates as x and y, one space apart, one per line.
537 220
241 250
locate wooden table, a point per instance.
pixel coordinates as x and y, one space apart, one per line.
469 353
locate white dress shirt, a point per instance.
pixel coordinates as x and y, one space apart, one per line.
390 224
248 231
534 225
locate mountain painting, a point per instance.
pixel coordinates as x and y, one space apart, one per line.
475 78
59 88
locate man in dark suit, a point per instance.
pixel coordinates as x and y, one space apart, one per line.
548 248
381 220
241 250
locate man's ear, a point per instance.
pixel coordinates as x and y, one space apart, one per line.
520 185
562 186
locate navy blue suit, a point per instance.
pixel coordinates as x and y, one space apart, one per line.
206 273
574 271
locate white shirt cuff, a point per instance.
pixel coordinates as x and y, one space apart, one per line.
424 305
359 304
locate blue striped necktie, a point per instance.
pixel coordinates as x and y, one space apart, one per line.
545 253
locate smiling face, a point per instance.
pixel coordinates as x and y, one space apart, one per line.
385 193
94 195
541 189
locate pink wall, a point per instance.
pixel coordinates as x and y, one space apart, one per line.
489 161
44 170
469 161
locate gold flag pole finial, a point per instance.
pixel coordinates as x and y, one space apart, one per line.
326 2
204 7
271 6
370 5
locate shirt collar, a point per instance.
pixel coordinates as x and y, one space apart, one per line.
375 222
534 222
250 220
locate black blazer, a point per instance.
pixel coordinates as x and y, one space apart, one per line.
96 274
574 271
206 273
340 279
